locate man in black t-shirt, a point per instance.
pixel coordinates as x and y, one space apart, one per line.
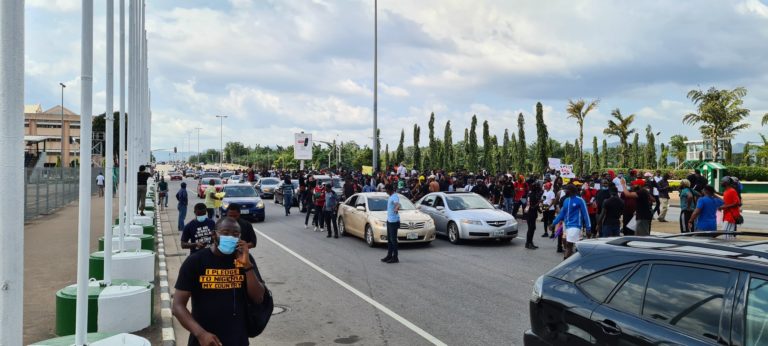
247 233
611 211
141 186
198 233
218 280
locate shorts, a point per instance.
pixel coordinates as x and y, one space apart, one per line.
572 234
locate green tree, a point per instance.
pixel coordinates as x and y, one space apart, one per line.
449 160
386 156
431 160
578 110
472 145
400 152
487 148
621 128
465 149
512 152
567 153
504 159
719 112
663 157
604 156
678 147
765 119
416 149
521 147
542 140
636 159
595 155
745 156
650 148
495 155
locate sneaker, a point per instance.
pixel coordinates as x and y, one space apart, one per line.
393 260
545 235
328 236
305 226
336 236
386 259
315 229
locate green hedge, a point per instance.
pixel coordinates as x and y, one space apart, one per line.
675 173
745 173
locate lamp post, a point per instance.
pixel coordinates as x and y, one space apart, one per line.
221 143
61 154
198 143
375 83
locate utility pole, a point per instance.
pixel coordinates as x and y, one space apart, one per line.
198 143
61 154
109 161
221 143
11 146
375 84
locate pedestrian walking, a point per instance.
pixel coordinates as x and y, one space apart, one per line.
534 197
731 203
521 190
393 225
687 205
100 184
705 214
589 195
287 194
643 198
162 189
247 233
329 210
308 199
197 234
548 203
141 188
575 218
220 281
508 193
183 200
609 223
663 187
318 200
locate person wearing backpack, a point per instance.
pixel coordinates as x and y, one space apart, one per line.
329 209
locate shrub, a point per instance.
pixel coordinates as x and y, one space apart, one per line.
745 173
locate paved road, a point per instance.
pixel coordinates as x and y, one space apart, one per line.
475 294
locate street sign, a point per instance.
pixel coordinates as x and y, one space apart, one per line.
302 146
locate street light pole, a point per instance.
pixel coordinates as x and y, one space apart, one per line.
61 154
375 84
221 141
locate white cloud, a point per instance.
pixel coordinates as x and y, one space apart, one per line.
55 5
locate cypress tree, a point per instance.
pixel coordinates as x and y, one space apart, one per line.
650 148
504 159
522 149
636 151
595 155
386 156
487 148
604 158
472 145
513 154
466 149
663 157
495 155
416 149
431 160
542 140
400 153
567 148
449 161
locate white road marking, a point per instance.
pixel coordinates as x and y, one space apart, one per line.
348 287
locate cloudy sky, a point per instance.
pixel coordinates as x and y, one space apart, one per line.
281 66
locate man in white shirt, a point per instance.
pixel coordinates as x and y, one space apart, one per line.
618 183
548 202
401 170
100 183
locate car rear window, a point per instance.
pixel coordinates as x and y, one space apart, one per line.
756 328
600 286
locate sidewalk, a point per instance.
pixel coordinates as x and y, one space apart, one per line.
50 264
753 203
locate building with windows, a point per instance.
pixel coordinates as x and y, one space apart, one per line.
43 134
701 149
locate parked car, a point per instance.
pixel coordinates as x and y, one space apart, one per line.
279 193
225 176
235 179
267 187
204 182
175 176
251 205
364 215
687 289
335 183
465 215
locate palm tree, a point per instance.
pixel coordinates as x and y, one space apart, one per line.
765 119
719 112
579 110
621 128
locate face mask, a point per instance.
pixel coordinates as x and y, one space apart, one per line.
227 244
202 218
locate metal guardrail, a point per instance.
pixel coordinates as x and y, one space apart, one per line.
48 189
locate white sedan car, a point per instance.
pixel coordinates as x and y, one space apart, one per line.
235 179
466 215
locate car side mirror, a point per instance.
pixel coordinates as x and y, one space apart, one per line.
360 207
440 208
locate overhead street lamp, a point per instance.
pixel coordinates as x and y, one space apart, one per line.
221 130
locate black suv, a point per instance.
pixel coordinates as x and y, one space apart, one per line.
688 289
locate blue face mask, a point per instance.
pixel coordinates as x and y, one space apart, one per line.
202 218
227 244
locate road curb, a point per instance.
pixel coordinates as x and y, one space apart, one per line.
166 316
761 212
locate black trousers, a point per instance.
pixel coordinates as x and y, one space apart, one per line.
330 220
531 219
685 216
392 228
547 218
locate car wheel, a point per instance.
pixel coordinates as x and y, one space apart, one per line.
342 230
369 236
453 234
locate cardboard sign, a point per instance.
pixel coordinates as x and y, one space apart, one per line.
566 171
554 163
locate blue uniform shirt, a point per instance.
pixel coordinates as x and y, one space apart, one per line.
392 216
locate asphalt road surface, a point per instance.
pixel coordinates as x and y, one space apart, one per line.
336 291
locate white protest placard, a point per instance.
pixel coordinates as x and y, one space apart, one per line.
302 146
566 171
554 163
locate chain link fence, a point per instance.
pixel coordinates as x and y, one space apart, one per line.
47 189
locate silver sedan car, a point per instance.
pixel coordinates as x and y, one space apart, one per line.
465 215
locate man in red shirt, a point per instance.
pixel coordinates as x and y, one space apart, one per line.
318 196
731 205
521 190
589 194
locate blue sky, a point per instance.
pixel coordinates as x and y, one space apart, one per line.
278 67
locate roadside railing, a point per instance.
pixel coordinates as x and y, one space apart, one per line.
47 189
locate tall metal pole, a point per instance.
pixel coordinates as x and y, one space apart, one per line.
198 143
12 163
84 215
122 181
221 143
375 84
110 160
61 154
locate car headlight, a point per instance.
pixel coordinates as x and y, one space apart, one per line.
472 222
380 223
538 286
260 205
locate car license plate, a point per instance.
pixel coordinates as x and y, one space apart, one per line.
412 236
498 233
245 211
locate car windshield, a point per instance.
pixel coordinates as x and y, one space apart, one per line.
207 181
270 181
464 202
235 177
379 203
336 182
226 174
239 191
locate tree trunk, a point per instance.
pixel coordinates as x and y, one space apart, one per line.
581 147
